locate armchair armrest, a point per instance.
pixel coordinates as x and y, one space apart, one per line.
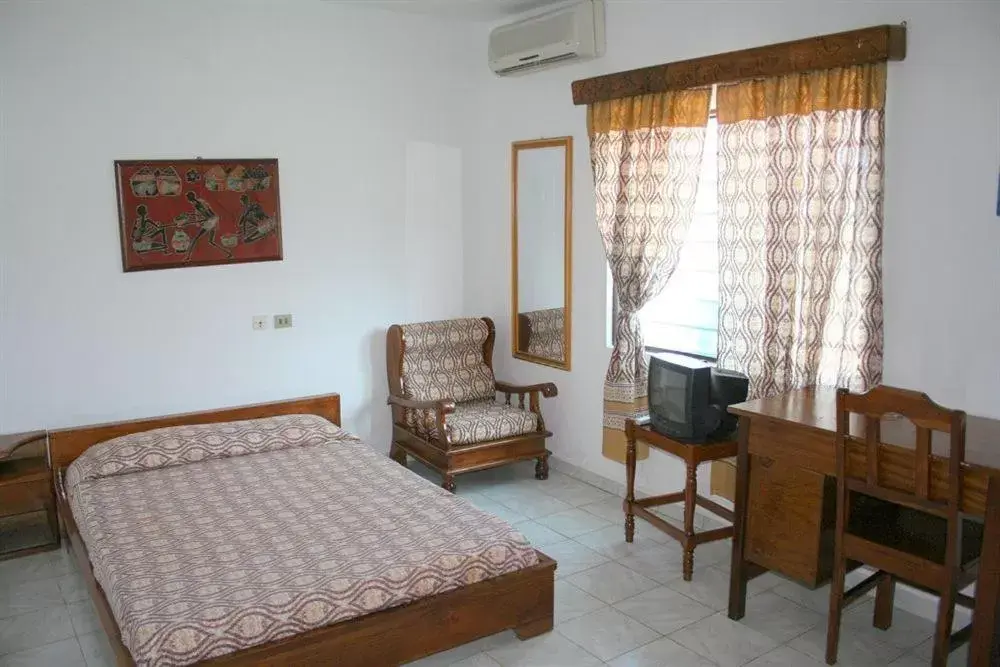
439 410
547 389
443 407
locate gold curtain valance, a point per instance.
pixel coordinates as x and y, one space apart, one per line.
802 93
676 108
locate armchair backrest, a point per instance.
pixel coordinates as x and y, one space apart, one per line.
446 359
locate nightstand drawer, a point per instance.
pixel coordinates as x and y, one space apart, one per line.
27 496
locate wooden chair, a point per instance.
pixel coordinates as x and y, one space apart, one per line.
899 529
443 396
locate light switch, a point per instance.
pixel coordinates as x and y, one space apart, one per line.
283 321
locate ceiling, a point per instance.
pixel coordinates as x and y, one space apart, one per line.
468 10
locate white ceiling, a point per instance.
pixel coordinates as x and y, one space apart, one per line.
469 10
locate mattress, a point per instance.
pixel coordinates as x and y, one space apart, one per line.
211 539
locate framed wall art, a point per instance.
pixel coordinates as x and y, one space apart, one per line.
177 213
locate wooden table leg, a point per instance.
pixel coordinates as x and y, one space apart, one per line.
629 480
984 646
690 501
738 576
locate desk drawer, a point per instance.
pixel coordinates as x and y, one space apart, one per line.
22 497
792 513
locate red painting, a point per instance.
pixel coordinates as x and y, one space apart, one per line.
175 213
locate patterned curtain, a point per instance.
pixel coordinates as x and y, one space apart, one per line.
800 236
646 155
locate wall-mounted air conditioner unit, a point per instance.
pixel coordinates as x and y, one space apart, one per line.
570 33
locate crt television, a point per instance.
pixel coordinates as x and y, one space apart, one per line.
688 398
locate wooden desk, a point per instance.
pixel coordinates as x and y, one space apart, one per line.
785 492
693 454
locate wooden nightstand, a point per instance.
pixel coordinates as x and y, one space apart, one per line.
26 487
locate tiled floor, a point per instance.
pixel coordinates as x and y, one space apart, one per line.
618 604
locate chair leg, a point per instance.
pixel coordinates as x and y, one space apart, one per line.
397 454
542 467
448 483
942 632
836 609
885 596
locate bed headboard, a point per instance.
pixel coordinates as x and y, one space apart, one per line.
67 444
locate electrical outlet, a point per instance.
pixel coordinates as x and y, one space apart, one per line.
259 322
283 321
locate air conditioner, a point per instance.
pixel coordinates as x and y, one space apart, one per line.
570 33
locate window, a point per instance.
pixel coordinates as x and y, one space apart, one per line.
685 316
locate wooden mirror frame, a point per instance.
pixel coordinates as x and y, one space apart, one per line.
567 144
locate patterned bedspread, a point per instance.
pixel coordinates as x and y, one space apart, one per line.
211 539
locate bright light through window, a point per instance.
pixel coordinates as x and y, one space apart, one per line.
685 316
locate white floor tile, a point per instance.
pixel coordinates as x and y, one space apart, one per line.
907 631
609 509
29 596
959 656
64 653
573 492
97 650
607 633
709 586
664 609
662 653
854 651
532 504
572 602
34 629
540 536
611 582
661 564
478 660
551 649
724 642
785 657
610 541
572 557
574 522
779 618
73 588
46 565
84 617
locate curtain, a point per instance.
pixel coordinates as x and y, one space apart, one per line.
800 229
646 153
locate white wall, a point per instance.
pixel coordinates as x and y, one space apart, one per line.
942 237
541 225
362 108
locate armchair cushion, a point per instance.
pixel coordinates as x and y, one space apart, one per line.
444 360
480 421
547 329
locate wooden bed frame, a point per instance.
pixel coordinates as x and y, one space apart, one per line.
522 600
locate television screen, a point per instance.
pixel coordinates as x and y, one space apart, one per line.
668 391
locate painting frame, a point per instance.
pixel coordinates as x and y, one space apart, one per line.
166 180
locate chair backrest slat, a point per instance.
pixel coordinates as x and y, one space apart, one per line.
926 415
922 464
873 435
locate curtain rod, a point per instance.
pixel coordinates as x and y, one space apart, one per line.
842 49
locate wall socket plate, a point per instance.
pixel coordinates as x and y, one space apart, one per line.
259 322
283 321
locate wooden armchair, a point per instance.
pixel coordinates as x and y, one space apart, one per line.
443 396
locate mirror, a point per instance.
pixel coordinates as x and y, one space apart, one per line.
541 226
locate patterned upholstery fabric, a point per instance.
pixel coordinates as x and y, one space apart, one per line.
203 559
444 360
479 421
177 445
547 329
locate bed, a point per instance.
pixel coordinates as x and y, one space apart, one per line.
267 535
